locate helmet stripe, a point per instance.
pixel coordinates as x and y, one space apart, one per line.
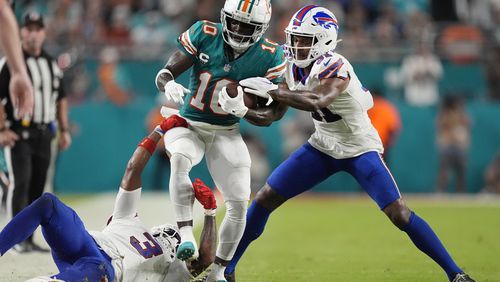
245 6
251 6
301 14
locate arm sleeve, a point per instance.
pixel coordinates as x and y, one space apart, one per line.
190 40
126 203
278 67
4 78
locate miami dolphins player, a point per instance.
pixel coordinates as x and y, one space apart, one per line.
219 53
323 82
125 250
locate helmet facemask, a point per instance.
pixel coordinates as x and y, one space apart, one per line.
168 237
246 33
298 55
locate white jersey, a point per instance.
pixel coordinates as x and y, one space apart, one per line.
343 129
135 254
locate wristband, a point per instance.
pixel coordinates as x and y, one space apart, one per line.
148 144
159 130
210 212
162 71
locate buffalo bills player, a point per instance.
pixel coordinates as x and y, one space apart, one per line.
125 250
323 82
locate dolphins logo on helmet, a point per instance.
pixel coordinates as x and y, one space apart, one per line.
325 20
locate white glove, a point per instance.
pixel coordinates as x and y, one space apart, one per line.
259 86
235 106
175 92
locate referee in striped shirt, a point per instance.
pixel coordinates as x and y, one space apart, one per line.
27 141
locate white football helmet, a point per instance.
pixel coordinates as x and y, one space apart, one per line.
167 235
316 22
253 16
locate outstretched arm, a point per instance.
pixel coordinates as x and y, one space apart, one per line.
321 96
208 240
129 194
132 178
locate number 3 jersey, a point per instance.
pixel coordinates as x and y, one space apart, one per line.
135 253
343 128
212 70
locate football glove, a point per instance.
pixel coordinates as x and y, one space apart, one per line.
235 106
169 123
204 195
259 86
175 92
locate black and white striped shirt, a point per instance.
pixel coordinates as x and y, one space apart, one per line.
46 77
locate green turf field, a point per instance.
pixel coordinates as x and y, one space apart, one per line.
346 239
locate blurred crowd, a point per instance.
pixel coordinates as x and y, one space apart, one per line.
417 35
462 31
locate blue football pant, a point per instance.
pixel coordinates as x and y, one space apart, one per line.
74 251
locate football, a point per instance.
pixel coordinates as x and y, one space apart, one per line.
251 101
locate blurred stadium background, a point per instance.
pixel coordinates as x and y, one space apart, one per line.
111 50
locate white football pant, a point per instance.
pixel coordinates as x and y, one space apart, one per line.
229 163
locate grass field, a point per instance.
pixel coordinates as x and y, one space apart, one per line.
324 238
346 239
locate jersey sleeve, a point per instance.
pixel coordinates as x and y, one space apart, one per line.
190 40
126 203
278 67
333 67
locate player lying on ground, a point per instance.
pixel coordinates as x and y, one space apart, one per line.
219 53
125 250
323 82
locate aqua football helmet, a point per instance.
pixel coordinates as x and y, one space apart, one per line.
317 23
244 22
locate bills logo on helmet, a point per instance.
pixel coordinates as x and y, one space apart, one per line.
325 20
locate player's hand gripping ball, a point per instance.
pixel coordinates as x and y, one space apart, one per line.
250 100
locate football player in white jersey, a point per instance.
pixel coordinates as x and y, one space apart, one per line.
323 82
126 250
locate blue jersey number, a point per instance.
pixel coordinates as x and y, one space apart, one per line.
325 115
147 249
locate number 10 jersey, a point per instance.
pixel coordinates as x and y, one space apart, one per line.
212 70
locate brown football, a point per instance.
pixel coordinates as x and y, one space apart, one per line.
250 100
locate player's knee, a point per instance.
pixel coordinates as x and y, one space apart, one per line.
45 204
180 163
268 198
236 211
398 213
46 200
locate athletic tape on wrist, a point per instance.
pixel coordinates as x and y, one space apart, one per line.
159 130
162 71
210 212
